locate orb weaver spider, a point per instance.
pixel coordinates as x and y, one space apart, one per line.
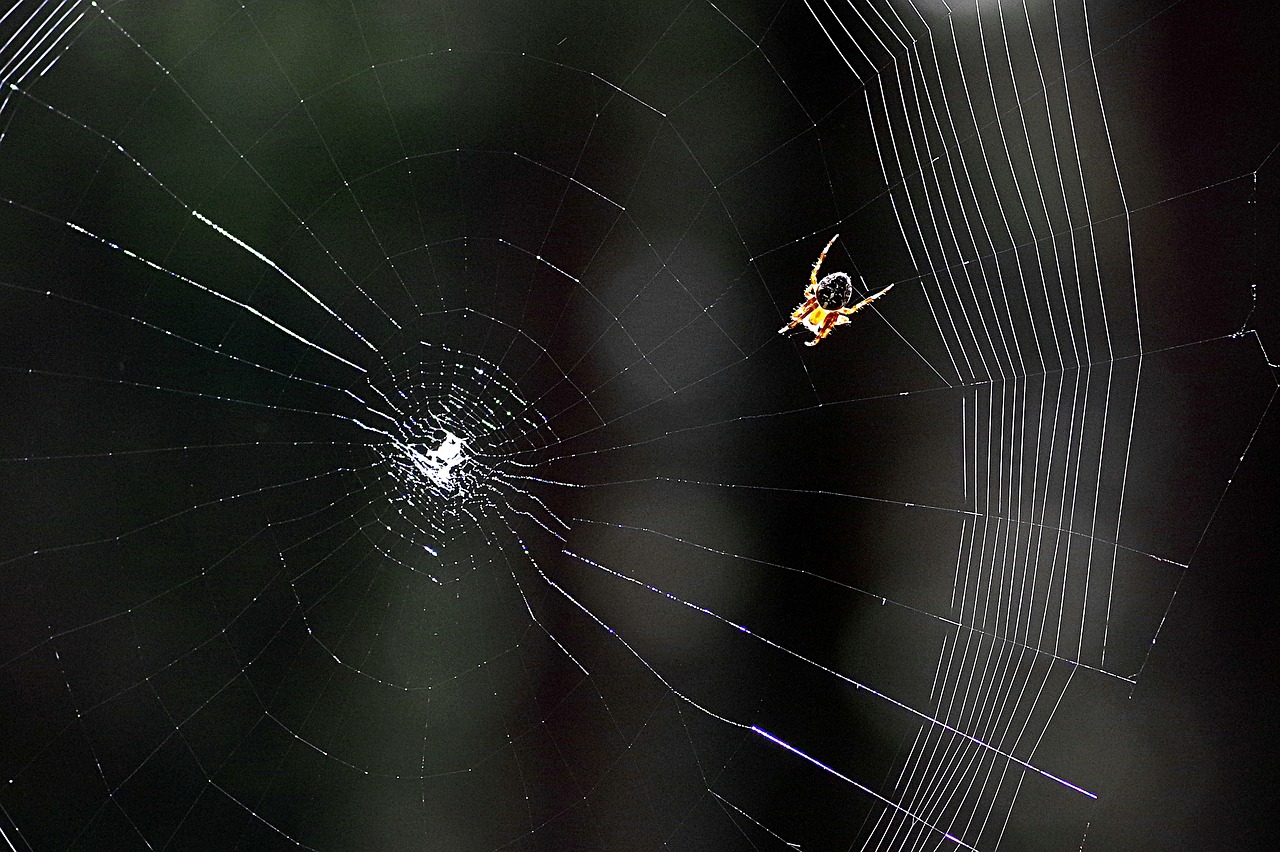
826 302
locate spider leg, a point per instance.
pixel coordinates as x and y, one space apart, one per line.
798 315
813 276
828 323
865 302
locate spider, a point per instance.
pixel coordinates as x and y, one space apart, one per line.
826 302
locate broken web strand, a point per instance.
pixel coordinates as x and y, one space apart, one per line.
998 462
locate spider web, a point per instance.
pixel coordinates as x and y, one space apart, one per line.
399 451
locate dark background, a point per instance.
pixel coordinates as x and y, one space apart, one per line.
175 595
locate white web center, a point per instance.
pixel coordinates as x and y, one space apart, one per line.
441 465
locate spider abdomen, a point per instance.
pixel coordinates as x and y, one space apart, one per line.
835 291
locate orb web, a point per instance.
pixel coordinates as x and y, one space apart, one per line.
401 453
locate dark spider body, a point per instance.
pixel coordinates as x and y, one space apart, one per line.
835 291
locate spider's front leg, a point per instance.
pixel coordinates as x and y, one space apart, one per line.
866 301
798 315
813 274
